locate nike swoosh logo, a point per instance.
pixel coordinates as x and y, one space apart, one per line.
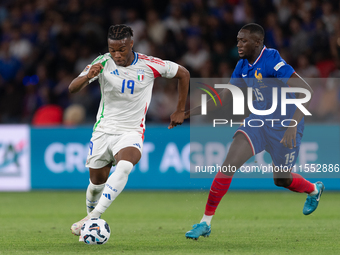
244 75
319 196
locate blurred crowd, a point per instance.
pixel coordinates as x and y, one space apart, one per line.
44 44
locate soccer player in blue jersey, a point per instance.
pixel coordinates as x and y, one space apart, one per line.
256 65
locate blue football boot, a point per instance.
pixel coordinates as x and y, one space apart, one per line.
312 202
200 229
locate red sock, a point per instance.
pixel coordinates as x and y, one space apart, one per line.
301 185
218 189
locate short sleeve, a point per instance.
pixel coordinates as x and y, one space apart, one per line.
279 68
159 67
236 77
170 69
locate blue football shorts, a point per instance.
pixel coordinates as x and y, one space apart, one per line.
267 138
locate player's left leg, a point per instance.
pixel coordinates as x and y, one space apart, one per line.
283 161
297 183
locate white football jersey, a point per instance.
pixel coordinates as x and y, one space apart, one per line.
126 91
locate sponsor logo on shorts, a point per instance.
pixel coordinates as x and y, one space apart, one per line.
138 145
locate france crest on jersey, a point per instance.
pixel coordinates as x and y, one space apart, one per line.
267 72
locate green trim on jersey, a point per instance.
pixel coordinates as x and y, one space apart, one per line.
101 115
103 63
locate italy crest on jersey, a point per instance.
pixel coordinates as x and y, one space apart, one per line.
140 75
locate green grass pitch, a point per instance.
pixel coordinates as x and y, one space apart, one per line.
155 223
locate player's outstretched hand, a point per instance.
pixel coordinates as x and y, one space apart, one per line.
94 70
288 137
176 118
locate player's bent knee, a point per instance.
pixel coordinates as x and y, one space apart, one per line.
282 182
124 167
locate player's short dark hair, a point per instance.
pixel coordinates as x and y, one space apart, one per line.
254 28
119 32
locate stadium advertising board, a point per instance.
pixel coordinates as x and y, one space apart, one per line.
15 158
59 155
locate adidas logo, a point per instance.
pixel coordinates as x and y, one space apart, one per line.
137 144
115 72
108 196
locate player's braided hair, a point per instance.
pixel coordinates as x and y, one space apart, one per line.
119 32
254 28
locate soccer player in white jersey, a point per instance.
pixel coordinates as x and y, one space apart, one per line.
126 80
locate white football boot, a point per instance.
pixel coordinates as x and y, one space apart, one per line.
76 227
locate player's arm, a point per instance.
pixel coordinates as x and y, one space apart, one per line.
295 81
81 82
225 96
183 76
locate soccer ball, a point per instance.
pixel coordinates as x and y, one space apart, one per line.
95 231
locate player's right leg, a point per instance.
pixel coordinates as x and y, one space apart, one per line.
114 185
240 151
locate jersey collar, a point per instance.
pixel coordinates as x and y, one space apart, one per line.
135 59
264 47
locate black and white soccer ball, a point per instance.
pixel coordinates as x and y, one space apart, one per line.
95 231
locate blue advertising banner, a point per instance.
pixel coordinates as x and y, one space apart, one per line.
58 158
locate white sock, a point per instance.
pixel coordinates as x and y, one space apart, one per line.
93 193
313 193
207 219
113 187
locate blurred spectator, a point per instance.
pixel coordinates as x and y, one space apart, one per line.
48 115
299 38
85 58
156 29
176 22
219 54
284 10
137 25
74 115
143 44
224 70
328 17
11 105
18 46
44 44
194 28
305 69
196 55
9 64
243 13
320 42
335 41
